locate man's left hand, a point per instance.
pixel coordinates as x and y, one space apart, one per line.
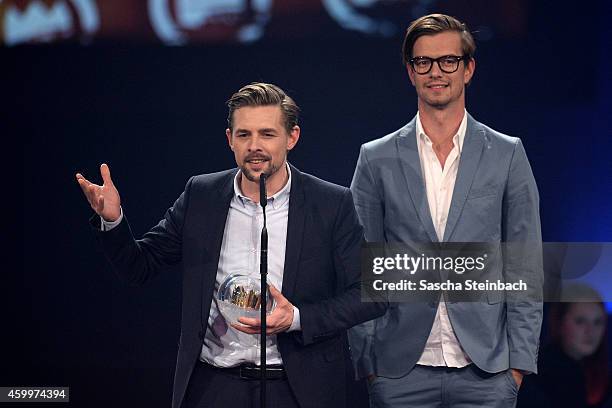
276 322
518 377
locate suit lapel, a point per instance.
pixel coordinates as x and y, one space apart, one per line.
411 164
217 211
468 164
295 232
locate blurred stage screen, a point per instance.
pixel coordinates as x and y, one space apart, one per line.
182 22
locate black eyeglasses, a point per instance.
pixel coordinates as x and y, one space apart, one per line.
446 63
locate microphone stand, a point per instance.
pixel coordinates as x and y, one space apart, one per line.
263 270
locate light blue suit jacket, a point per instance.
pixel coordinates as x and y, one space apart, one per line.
495 199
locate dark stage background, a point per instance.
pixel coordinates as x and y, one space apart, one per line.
156 114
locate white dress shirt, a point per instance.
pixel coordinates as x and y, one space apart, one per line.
223 345
442 347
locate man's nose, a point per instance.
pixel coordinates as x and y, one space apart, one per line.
254 144
435 71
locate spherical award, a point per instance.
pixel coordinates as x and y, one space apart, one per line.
240 296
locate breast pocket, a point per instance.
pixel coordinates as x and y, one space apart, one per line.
482 215
480 193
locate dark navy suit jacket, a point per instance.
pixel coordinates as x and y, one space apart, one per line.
321 276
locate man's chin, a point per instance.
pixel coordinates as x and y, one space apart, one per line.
438 103
253 176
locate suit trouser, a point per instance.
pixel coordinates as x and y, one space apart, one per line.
212 387
428 387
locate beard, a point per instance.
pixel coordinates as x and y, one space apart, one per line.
438 103
272 168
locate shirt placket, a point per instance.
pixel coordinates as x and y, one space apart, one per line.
438 182
255 234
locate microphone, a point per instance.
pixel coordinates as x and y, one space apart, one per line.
263 197
263 270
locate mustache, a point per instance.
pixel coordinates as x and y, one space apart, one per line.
256 156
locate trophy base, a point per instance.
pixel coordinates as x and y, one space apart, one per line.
232 312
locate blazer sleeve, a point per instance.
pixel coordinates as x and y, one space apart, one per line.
369 203
369 207
522 236
327 318
138 261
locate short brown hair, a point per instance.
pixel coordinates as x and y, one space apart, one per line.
262 94
434 24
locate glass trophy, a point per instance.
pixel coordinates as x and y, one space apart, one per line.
240 296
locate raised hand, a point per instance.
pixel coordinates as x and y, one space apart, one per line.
104 199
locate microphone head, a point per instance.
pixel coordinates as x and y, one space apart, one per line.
263 196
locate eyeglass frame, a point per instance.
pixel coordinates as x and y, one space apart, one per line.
411 61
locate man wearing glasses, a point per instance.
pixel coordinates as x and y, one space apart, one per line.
444 177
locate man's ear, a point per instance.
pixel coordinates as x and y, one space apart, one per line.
228 134
468 73
410 73
294 136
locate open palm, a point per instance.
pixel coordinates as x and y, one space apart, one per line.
104 199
